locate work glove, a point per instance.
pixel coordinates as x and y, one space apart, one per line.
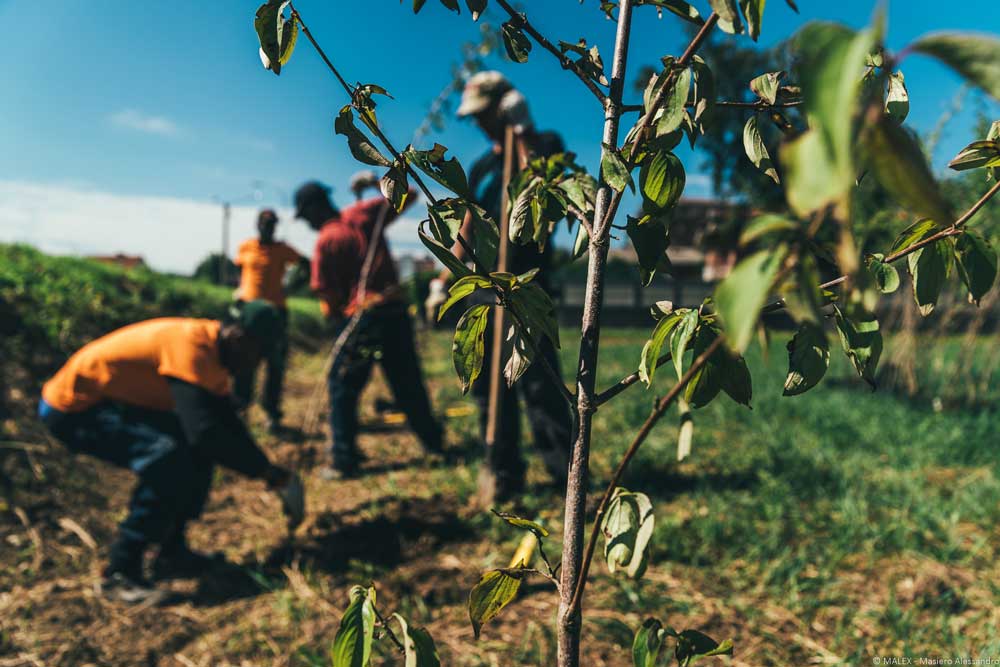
438 295
363 180
293 498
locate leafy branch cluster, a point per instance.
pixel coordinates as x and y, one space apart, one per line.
839 121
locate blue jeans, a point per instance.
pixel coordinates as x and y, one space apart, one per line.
276 361
385 334
174 478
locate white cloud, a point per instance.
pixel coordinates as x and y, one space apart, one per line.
136 120
171 234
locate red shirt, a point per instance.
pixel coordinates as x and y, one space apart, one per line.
340 254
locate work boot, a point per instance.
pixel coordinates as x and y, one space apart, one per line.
181 562
274 426
496 489
130 589
333 473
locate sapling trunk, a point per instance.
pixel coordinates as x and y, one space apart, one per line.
576 486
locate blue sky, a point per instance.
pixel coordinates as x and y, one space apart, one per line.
121 121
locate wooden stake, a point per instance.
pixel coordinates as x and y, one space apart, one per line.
499 316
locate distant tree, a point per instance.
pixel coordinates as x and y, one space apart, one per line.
208 270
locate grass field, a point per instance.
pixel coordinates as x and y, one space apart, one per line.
829 528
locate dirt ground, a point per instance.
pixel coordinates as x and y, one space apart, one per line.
409 525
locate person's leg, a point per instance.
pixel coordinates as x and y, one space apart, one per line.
347 379
549 416
402 370
503 457
276 363
151 444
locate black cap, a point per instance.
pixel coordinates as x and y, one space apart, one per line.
310 193
267 215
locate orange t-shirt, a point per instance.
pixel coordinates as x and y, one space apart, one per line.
131 365
262 266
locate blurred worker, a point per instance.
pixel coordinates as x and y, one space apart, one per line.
383 332
494 104
263 263
153 397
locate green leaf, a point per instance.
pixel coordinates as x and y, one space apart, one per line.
756 151
524 524
273 35
808 359
975 56
739 298
485 236
614 171
885 274
418 5
418 646
476 8
735 377
861 339
352 646
442 253
447 216
535 307
516 42
669 114
651 350
462 288
661 181
819 166
914 234
520 354
729 16
681 337
627 528
494 591
394 187
468 348
929 268
706 383
703 91
448 173
812 180
753 12
897 101
977 155
900 166
692 644
678 7
767 225
766 86
361 147
802 296
452 5
650 240
647 643
977 264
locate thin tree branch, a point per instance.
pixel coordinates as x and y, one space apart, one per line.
640 438
520 20
647 119
579 215
518 572
388 630
625 383
480 267
759 105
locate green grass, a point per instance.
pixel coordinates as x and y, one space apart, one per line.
782 504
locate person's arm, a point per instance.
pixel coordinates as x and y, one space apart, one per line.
331 276
211 425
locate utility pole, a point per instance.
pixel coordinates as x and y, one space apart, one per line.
224 259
